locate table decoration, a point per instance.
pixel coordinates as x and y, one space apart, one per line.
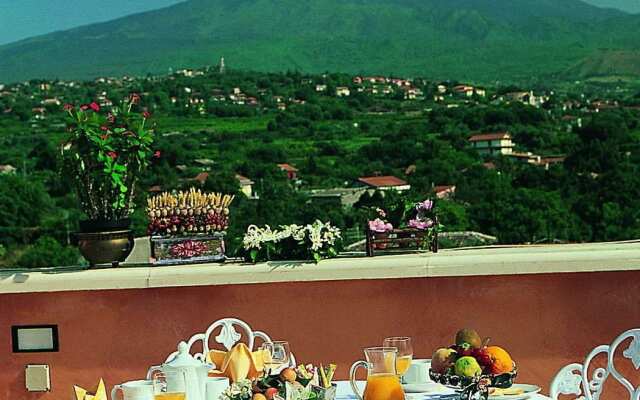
188 227
292 242
305 382
416 229
99 394
472 366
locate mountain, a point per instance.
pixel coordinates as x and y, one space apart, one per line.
630 6
463 39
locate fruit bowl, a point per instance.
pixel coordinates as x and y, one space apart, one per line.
477 385
471 366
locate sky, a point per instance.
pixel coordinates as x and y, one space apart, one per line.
20 19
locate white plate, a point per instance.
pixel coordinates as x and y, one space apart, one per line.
528 391
430 387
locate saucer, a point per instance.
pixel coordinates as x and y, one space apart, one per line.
528 391
428 387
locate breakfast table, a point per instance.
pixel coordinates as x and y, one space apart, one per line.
344 392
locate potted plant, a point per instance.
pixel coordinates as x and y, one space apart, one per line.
315 242
103 158
416 229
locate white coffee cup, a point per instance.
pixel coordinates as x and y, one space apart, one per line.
215 386
134 390
418 372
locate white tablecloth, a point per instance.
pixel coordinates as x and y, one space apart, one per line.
345 393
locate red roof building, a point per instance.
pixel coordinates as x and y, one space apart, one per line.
292 172
201 177
384 183
444 191
492 143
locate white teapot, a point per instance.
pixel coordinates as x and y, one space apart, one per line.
184 374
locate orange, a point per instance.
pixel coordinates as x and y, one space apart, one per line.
501 361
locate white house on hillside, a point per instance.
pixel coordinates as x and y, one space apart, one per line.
492 143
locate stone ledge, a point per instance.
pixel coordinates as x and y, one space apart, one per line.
494 260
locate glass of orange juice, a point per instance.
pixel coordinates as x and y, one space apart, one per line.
163 391
405 352
383 382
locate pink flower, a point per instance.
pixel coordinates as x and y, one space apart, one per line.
157 154
94 106
422 225
146 114
426 205
84 107
68 107
378 225
112 154
104 128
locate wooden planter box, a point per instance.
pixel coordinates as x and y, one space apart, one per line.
405 240
188 249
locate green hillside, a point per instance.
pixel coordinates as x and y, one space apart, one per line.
463 39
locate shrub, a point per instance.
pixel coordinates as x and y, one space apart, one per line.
48 252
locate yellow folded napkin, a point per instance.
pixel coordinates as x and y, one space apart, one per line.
238 363
100 394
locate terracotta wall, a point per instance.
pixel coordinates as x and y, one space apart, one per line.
545 321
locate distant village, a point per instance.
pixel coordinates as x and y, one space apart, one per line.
39 103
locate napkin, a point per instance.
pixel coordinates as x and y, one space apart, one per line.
101 393
238 363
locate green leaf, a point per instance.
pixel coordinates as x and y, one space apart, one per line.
332 252
317 257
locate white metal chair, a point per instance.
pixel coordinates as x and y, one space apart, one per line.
573 379
228 337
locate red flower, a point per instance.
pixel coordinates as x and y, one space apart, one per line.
104 128
84 107
68 107
134 98
146 114
157 154
113 155
94 106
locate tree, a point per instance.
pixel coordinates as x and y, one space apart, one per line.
24 203
48 252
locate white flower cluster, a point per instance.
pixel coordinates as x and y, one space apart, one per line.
318 235
241 390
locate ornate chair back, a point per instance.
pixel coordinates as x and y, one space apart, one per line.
574 379
228 336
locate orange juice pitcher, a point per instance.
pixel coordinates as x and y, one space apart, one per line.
383 382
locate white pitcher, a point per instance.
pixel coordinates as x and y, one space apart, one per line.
134 390
193 373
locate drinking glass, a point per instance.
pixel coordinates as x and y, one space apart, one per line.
277 354
163 391
405 352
